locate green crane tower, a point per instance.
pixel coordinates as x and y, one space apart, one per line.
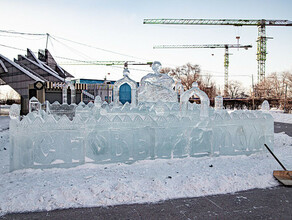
261 24
226 55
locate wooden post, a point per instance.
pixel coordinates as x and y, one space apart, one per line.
285 98
252 93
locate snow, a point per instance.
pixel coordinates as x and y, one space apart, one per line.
279 116
142 182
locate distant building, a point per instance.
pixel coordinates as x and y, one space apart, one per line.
104 89
29 70
43 78
97 87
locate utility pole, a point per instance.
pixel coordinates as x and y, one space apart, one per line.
252 92
47 41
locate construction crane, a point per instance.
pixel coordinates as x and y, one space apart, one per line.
226 55
261 40
104 63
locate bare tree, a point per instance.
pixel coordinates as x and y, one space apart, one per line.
190 73
187 73
235 89
274 86
209 86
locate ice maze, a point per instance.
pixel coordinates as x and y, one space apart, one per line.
154 125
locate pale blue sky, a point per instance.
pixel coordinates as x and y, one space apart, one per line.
118 26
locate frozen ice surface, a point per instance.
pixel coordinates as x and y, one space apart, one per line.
157 126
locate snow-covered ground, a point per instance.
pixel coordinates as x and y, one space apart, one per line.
141 182
279 116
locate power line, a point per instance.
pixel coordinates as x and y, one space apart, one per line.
15 48
97 48
21 33
70 48
102 49
17 36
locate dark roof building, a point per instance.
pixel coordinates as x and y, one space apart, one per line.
29 69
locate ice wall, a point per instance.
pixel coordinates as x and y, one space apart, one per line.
157 126
107 134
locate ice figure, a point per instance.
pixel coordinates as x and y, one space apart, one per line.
156 87
14 112
179 89
66 86
34 105
97 102
133 85
265 106
205 102
158 126
218 102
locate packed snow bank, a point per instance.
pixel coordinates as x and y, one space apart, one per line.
4 123
141 182
279 116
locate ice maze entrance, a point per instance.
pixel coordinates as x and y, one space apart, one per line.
154 125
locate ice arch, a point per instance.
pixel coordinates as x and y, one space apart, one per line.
205 102
125 80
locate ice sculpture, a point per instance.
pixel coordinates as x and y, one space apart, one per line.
265 106
218 102
156 87
205 102
179 89
131 83
69 135
14 112
34 105
66 86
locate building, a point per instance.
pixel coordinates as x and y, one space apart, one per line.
43 78
28 75
104 89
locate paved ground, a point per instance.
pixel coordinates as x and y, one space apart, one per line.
274 203
280 127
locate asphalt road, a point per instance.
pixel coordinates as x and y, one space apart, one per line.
273 203
283 127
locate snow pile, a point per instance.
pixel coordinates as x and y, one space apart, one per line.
4 123
279 116
141 182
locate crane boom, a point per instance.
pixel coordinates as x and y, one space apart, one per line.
202 46
212 46
103 63
260 23
234 22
